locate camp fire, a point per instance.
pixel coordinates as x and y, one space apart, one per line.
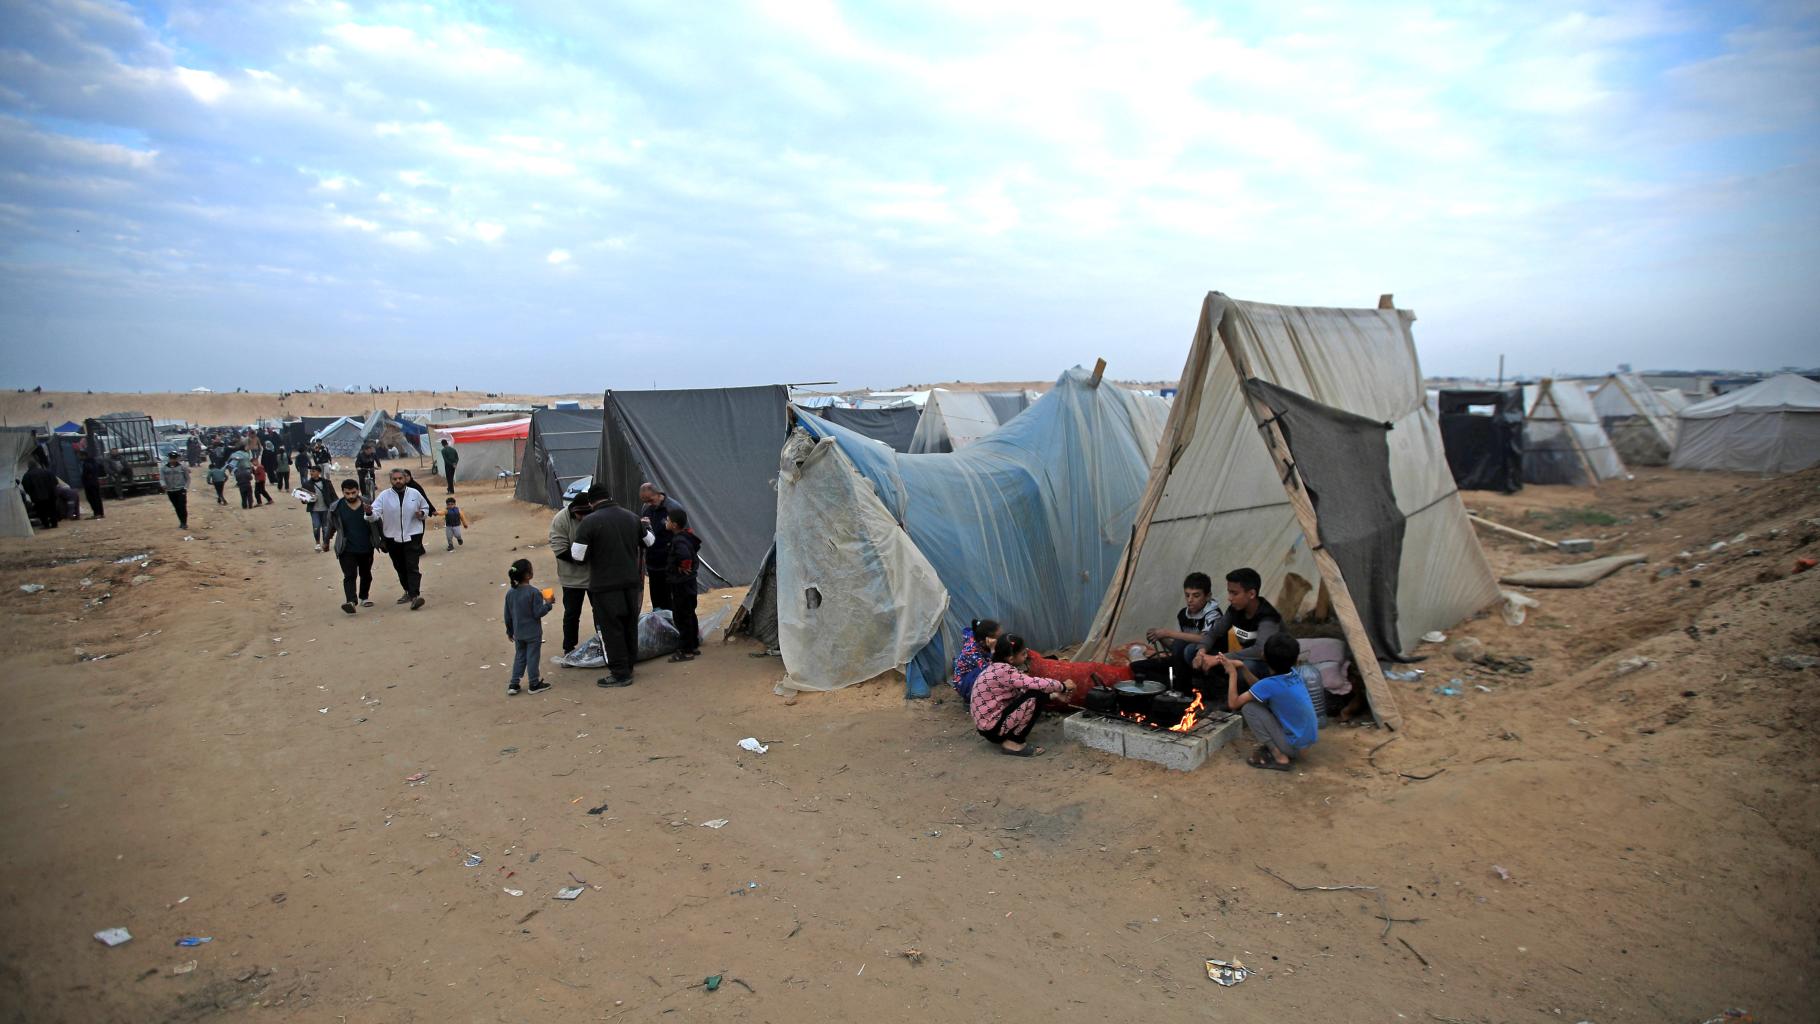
1190 716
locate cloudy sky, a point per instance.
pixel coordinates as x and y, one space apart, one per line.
576 195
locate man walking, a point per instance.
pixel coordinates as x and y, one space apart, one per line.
573 575
91 484
175 476
450 457
366 467
401 512
656 516
611 543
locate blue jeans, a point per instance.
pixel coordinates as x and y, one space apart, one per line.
319 521
525 656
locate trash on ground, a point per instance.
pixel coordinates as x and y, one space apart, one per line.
473 861
31 588
195 940
751 743
1434 636
416 777
1633 664
998 855
1500 872
114 936
183 968
1516 606
514 892
711 982
716 823
1227 972
602 809
569 892
1409 675
1452 689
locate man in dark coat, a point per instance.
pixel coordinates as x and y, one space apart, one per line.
91 483
40 485
611 543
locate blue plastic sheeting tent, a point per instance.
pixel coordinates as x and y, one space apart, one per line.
1025 526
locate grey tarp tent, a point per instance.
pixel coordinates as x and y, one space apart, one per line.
1640 424
1564 443
894 427
1772 426
1225 489
341 438
17 445
563 448
713 450
882 558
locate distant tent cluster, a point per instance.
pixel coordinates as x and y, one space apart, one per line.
952 420
1564 440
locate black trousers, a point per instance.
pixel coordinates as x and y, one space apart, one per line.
283 479
404 555
448 476
572 600
49 510
682 610
997 733
660 590
356 565
616 616
246 495
262 494
220 498
180 500
93 493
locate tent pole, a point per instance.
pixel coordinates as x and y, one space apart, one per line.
1383 700
1099 370
1592 476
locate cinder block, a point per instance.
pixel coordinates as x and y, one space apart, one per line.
1176 751
1575 547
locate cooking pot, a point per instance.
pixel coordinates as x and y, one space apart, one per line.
1166 709
1101 699
1135 697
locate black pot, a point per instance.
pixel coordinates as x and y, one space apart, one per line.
1135 697
1101 699
1167 709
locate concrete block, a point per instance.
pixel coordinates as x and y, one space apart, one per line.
1575 547
1176 751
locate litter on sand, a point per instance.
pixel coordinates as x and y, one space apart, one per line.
473 861
1227 972
515 892
1434 636
415 778
183 968
602 809
716 823
711 982
193 940
569 892
751 743
113 936
31 588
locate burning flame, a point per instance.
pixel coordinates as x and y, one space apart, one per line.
1190 716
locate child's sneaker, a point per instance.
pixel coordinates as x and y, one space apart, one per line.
512 689
539 686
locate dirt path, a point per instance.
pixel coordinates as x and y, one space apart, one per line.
246 745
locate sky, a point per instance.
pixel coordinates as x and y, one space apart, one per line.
570 196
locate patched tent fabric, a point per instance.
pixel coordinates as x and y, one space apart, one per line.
894 427
16 447
1641 426
563 446
883 558
756 616
1770 427
1484 448
385 434
1564 443
1217 501
713 450
952 420
488 451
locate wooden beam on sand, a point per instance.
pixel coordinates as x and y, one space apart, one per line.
1509 532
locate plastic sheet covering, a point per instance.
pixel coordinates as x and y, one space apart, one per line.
1640 424
1560 427
952 420
1484 449
895 427
16 447
1215 503
1770 427
1025 526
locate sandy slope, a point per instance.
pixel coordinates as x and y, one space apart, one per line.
246 745
26 408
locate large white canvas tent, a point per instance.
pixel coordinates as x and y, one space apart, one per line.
1564 441
1640 424
1301 442
1772 426
16 447
562 449
882 557
952 420
488 451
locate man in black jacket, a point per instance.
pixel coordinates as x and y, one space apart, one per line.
40 485
611 543
656 510
91 483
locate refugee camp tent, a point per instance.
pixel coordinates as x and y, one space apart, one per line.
1564 442
385 434
1641 426
1482 430
488 450
712 450
563 446
894 427
1301 443
1772 426
342 437
16 447
65 458
952 420
1674 400
883 558
70 427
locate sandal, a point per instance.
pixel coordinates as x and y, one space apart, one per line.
1021 751
1268 763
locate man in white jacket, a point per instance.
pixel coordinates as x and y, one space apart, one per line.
401 512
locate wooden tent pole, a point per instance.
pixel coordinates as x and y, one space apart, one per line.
1383 700
1592 475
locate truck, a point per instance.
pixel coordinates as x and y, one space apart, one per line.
126 445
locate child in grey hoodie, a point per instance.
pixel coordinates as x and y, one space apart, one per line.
525 609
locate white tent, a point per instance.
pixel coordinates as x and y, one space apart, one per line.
1672 399
952 420
1280 407
487 451
16 447
1563 440
1640 424
1772 426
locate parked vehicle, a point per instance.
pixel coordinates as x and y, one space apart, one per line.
127 445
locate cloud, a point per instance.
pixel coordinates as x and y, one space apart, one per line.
558 257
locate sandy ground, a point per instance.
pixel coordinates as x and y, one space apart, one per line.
236 767
25 408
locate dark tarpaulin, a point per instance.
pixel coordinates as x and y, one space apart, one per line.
756 616
1484 449
1344 460
313 425
563 447
892 427
713 450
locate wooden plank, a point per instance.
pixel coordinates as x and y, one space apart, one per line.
1099 370
1387 301
1508 531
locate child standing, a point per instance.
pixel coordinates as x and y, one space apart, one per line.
452 522
680 573
525 609
218 479
261 496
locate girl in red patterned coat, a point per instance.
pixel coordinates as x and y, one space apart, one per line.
1006 698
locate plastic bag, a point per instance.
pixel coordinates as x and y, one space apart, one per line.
1516 606
657 636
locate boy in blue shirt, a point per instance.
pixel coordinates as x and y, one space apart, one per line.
1277 708
452 522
